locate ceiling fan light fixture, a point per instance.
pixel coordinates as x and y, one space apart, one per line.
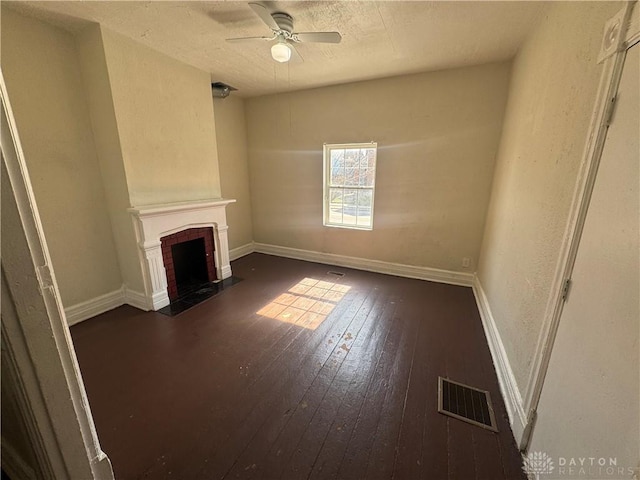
281 52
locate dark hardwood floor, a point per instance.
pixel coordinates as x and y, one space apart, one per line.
295 373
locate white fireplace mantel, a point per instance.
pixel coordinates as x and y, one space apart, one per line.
152 222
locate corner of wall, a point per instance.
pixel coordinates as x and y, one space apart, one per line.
94 306
233 161
96 77
508 384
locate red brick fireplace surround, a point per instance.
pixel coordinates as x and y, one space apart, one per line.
180 237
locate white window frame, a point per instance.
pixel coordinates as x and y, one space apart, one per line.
326 158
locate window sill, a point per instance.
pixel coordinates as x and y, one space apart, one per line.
348 227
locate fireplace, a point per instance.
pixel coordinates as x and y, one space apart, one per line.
188 258
161 228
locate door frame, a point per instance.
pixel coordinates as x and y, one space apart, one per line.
36 341
620 33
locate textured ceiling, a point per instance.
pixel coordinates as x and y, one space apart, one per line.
379 39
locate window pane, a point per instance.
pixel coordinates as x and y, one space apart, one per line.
335 196
350 206
335 215
352 158
366 177
364 218
337 167
335 205
365 198
352 177
367 167
337 176
337 157
350 197
364 162
371 158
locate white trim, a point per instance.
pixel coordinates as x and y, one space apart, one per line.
125 296
95 306
14 465
159 210
135 299
37 334
326 182
241 251
397 269
506 378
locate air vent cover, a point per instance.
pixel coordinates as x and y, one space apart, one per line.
222 90
466 403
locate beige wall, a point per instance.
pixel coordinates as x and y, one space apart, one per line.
437 136
165 118
596 353
42 71
107 139
144 129
231 135
552 94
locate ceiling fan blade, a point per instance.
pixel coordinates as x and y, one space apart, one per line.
249 39
264 14
318 37
295 55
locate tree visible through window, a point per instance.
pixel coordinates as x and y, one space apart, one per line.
350 176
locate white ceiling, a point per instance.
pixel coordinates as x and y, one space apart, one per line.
379 38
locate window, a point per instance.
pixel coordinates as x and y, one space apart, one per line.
349 184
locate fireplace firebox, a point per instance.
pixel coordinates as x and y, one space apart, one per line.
188 258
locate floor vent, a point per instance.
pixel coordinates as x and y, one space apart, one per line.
337 274
466 403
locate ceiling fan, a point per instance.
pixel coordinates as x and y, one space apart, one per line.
281 24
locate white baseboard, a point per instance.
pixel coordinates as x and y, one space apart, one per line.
14 465
508 385
226 272
109 301
397 269
103 303
158 300
241 251
136 299
95 306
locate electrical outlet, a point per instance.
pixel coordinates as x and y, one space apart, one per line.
466 262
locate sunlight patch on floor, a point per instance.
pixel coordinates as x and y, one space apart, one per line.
307 304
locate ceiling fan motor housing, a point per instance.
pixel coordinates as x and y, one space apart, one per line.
284 21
